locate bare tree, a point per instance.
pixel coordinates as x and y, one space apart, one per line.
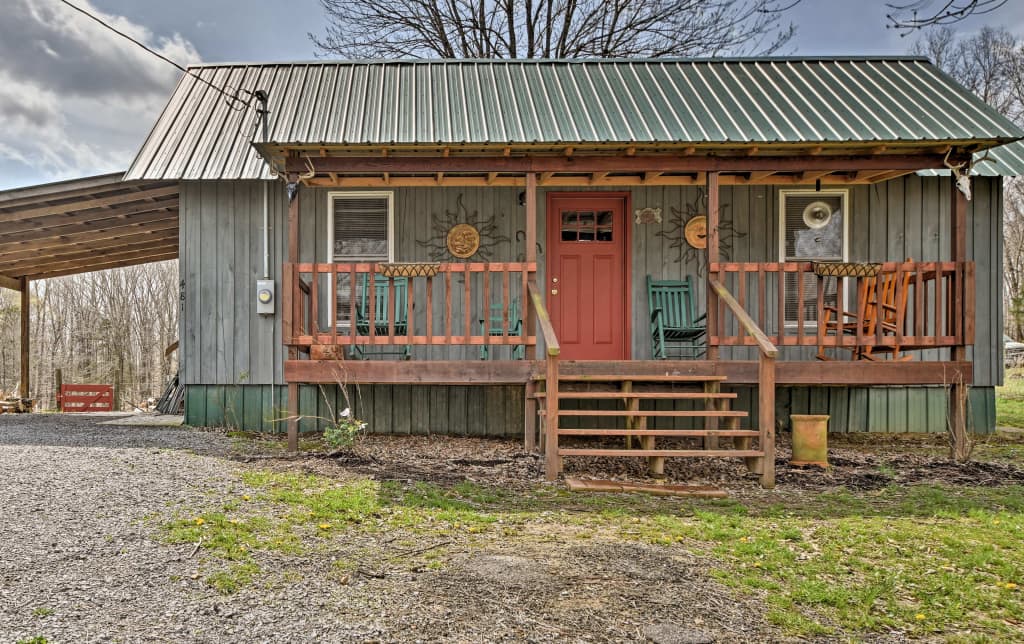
109 327
911 16
991 64
988 63
552 28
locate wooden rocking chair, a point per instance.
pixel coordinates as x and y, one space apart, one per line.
674 319
869 315
381 323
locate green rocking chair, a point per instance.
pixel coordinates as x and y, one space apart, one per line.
381 324
674 319
492 327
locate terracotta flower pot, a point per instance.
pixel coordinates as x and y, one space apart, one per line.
810 440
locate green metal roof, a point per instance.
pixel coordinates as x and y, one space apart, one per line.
1003 161
529 102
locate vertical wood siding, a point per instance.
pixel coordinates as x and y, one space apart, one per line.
224 342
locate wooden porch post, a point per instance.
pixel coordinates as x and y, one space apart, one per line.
23 388
711 423
712 251
293 256
960 447
530 254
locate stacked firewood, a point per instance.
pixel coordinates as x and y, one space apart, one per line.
16 405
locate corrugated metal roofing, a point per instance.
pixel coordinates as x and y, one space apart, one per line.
1003 161
741 101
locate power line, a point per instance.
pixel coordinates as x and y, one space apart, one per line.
234 100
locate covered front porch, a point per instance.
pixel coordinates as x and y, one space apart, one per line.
892 320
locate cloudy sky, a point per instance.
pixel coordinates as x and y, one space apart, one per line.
75 100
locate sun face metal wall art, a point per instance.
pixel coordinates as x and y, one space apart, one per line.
686 231
462 235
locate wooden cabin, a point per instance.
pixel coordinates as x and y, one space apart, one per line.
476 247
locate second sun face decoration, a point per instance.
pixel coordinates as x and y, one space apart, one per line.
687 231
462 235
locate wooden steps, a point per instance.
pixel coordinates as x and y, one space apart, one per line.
644 395
679 433
661 453
631 378
619 400
651 413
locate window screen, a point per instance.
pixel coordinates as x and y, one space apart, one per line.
360 234
813 229
360 228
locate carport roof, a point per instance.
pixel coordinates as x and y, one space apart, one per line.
85 225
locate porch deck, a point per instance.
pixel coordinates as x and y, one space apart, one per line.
762 319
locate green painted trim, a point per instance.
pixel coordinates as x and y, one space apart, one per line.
498 411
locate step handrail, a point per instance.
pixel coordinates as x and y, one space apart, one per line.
544 319
551 457
765 381
766 346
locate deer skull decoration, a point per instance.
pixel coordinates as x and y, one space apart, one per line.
962 172
292 187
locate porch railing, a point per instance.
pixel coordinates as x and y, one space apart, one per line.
455 306
788 300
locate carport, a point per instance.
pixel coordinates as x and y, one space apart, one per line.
79 226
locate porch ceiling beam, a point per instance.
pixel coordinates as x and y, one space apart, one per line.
758 176
102 266
868 175
86 204
814 176
10 282
591 164
891 175
66 250
96 217
100 239
22 267
595 179
110 229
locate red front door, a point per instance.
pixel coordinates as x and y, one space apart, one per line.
586 274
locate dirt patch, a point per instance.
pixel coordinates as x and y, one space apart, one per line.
604 592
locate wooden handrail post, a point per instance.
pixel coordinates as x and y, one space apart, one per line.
552 460
766 417
768 354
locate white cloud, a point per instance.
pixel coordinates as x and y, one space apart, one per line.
75 98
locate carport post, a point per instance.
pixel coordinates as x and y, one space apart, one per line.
23 391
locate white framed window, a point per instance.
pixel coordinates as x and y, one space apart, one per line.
360 226
813 227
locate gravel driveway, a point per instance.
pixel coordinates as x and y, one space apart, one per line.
83 509
81 563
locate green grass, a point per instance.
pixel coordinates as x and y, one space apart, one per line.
42 611
927 560
1010 399
233 578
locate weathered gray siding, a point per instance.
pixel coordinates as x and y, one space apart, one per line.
224 342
